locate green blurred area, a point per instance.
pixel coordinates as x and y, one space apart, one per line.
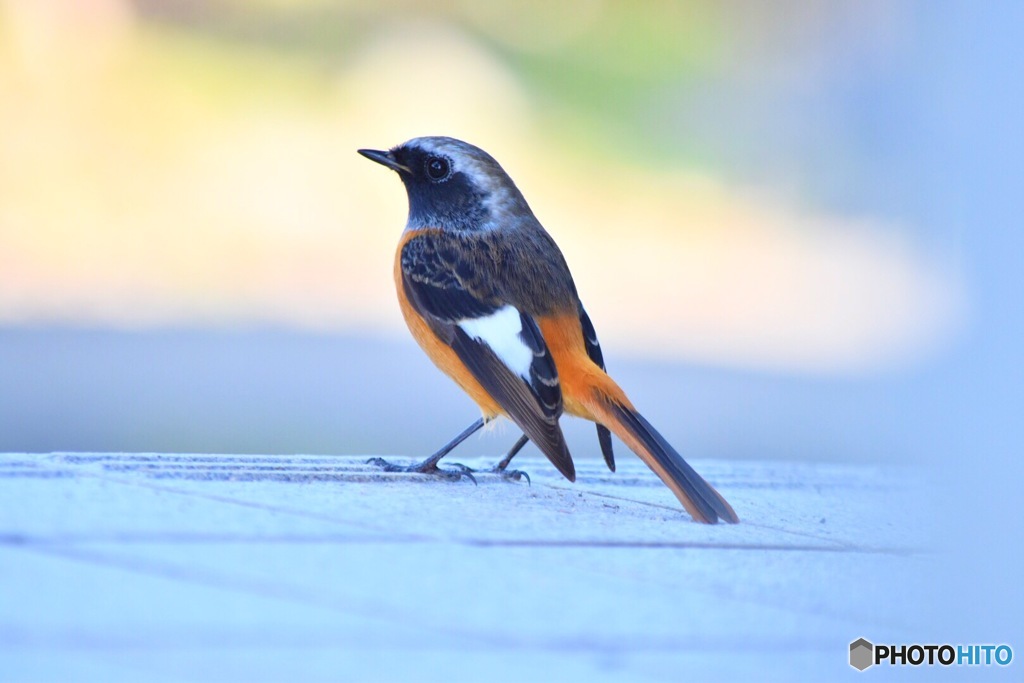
589 67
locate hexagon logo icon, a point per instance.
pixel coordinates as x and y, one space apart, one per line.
862 654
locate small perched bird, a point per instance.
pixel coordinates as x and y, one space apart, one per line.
487 294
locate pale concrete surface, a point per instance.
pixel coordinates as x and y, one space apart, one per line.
304 568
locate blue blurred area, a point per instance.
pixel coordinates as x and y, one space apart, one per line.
291 392
972 178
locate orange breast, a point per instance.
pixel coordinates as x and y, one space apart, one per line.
439 352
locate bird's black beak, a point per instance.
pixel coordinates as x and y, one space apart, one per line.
385 158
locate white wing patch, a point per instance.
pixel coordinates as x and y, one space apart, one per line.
500 331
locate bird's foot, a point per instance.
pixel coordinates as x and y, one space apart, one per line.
512 475
454 472
501 469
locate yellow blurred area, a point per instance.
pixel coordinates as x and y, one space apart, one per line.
152 176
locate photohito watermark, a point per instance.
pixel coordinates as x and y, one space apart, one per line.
864 654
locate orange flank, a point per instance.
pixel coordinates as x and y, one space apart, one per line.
580 379
439 352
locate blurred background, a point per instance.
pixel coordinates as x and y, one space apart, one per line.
796 226
194 258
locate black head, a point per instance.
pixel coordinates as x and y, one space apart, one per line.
453 185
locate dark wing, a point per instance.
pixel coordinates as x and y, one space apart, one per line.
501 346
604 436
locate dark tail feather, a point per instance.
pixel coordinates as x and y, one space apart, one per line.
700 499
604 437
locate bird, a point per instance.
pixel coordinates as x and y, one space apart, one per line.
487 294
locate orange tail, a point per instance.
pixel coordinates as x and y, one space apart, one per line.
699 498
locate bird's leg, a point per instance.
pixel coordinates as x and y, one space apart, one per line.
429 466
501 467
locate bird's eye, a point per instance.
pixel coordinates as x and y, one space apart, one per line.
438 168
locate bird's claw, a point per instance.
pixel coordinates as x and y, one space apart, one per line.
508 475
514 475
458 472
454 471
384 464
